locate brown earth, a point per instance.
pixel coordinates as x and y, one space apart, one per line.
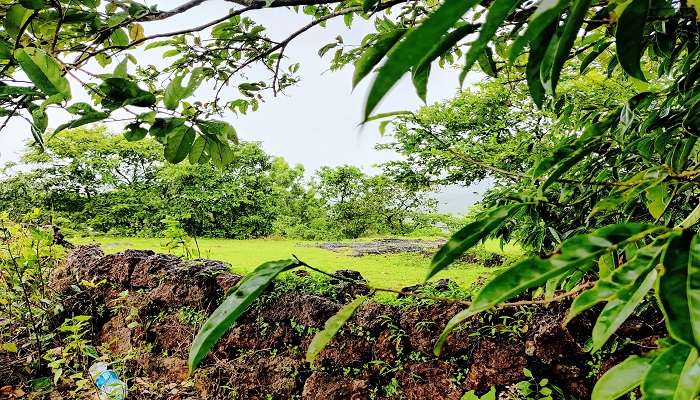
384 352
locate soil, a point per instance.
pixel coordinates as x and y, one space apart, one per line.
384 352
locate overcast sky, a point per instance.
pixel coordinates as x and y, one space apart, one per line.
314 123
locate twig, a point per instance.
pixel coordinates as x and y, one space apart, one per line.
295 34
12 113
544 301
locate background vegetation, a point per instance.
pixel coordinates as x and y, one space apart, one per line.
91 181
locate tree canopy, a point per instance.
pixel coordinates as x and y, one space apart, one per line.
91 181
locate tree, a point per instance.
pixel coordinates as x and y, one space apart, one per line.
492 130
94 180
50 48
359 205
70 171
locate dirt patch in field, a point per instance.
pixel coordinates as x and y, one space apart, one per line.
384 352
384 246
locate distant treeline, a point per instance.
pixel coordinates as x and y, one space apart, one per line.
94 182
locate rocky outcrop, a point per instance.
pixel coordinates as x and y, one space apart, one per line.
146 307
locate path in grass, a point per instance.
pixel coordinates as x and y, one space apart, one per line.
390 270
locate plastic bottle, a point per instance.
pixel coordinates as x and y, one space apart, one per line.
109 386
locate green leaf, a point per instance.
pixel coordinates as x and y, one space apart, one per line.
547 62
87 115
33 4
198 151
590 57
220 152
546 14
689 380
621 378
447 42
15 18
662 379
606 264
470 235
9 347
219 129
420 82
175 92
415 45
119 37
120 71
538 48
680 157
161 127
578 252
43 71
373 55
693 287
179 143
486 63
691 219
389 114
498 12
134 132
331 328
40 120
367 5
621 278
629 37
567 39
526 273
12 91
566 164
231 309
657 199
159 43
619 309
120 92
672 290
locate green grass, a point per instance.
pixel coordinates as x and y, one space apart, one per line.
391 271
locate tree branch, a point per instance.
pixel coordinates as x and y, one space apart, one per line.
295 34
175 11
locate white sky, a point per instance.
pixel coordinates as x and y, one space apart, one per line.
314 123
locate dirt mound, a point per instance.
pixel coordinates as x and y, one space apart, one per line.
146 308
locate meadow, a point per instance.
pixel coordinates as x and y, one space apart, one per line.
387 270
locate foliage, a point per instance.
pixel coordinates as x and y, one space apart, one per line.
177 237
533 389
622 176
640 151
50 50
97 182
53 347
233 306
621 172
26 256
331 328
359 205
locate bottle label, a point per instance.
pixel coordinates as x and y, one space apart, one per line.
105 379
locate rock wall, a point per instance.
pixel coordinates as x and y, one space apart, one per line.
385 352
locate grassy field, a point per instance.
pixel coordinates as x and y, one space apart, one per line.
391 270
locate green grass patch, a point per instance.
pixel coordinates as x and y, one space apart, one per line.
390 270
